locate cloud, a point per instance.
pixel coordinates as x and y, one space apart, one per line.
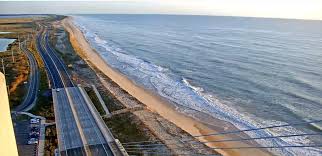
304 9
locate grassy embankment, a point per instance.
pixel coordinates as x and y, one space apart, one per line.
95 100
44 105
81 72
16 73
126 127
17 70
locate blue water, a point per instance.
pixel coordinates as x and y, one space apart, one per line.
251 72
4 43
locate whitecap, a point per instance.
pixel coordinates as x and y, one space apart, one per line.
181 92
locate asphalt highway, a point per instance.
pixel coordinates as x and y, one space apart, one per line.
79 133
53 73
33 84
82 137
59 76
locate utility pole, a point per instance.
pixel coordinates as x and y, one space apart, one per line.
3 69
29 37
19 43
13 57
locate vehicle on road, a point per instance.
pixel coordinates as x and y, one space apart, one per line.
32 141
34 132
34 121
58 90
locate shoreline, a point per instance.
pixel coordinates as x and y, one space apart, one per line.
154 102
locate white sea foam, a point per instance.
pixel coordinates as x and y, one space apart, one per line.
181 92
318 126
286 141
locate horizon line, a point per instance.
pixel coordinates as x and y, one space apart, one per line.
210 15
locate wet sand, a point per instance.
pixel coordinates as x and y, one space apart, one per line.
156 103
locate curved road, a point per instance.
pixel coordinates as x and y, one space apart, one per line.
33 84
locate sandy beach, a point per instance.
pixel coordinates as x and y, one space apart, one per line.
156 103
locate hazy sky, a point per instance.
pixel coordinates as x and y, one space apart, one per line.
303 9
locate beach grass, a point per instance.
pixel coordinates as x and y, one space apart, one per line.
51 141
95 100
44 104
127 128
16 73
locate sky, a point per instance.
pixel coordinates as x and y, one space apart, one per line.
298 9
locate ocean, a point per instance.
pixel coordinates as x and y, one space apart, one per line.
251 72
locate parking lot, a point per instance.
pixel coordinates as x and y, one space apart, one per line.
24 131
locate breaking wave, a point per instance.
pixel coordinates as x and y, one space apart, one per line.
179 91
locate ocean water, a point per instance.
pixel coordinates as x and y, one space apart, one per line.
4 43
251 72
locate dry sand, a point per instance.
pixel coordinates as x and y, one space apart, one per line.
153 102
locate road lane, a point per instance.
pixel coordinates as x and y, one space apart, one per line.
69 136
93 133
78 131
58 63
68 132
33 84
54 77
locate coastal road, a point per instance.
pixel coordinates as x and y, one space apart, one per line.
58 75
78 128
84 136
33 84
